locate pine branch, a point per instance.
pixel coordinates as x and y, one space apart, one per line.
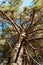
32 47
18 28
37 23
36 39
35 31
33 14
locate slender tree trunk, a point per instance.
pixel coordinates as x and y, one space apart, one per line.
14 54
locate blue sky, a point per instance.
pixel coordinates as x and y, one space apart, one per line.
5 1
25 3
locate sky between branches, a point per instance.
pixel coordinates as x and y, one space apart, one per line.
25 3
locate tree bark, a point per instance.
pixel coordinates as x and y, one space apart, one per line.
14 54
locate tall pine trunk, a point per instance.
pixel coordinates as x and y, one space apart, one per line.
14 54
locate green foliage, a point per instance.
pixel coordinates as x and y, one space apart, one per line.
13 8
31 22
38 2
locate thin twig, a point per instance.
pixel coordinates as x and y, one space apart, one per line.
33 47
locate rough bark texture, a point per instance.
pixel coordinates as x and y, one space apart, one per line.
14 54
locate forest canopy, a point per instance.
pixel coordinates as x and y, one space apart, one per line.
21 33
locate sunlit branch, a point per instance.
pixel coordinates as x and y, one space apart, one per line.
32 47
